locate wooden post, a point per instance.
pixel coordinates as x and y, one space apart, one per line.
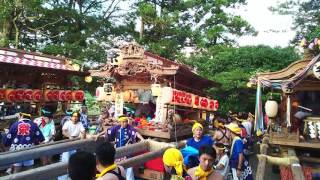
296 167
262 160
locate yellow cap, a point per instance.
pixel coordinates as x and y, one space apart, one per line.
196 125
233 127
172 157
122 119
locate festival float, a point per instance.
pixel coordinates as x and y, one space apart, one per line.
167 96
291 124
36 79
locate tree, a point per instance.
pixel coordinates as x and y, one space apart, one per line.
306 15
233 66
166 25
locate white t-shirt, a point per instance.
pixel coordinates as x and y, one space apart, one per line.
73 130
224 160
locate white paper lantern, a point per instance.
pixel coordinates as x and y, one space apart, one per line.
167 93
271 108
156 89
100 94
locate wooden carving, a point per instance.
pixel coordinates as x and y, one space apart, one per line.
132 51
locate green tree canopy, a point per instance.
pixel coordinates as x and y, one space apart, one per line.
233 66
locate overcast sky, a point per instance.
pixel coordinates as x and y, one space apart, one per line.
263 20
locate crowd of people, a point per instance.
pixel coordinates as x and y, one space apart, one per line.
222 155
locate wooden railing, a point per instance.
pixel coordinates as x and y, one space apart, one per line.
147 149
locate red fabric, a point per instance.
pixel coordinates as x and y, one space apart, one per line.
155 164
286 173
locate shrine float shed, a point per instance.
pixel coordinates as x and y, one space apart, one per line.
175 89
294 122
39 79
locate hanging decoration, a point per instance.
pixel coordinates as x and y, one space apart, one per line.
156 89
78 95
27 95
88 79
10 95
36 95
271 108
19 95
167 94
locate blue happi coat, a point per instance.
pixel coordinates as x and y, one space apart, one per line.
23 134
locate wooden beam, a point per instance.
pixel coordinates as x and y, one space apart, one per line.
296 167
296 144
262 160
57 169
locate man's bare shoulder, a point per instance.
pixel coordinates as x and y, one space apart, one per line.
215 176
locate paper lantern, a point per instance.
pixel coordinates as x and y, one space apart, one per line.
10 95
127 96
19 95
2 94
271 108
88 79
78 95
204 103
62 95
100 94
216 105
111 97
51 95
156 89
27 95
68 95
211 105
167 95
36 95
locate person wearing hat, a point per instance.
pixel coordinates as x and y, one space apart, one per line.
239 165
199 139
23 134
221 135
205 171
123 134
47 127
223 160
173 164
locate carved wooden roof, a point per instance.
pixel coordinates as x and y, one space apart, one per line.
136 62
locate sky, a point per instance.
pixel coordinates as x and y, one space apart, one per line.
263 20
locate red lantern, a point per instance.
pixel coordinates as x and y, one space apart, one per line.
27 95
77 95
19 95
196 100
2 94
211 104
36 95
68 95
55 95
47 95
204 102
216 105
10 95
62 95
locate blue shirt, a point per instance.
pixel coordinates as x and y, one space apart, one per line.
237 149
205 140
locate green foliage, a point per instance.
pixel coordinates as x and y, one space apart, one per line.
232 67
167 25
306 17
